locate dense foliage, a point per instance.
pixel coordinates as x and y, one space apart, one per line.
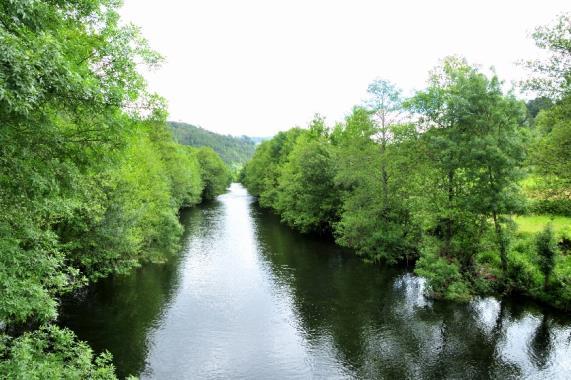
235 151
436 178
51 353
214 174
91 179
551 153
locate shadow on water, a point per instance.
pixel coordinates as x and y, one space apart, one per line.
117 313
249 298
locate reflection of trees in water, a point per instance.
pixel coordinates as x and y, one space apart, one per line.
329 303
117 313
378 327
540 345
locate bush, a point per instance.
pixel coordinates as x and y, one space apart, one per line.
560 283
51 353
523 273
546 250
551 206
443 275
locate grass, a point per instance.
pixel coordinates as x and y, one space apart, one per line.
531 224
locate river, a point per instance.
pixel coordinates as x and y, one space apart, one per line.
249 298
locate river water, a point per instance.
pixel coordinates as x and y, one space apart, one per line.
249 298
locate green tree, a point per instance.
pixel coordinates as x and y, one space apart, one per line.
385 105
306 195
474 142
262 172
181 165
68 71
90 179
215 174
534 106
52 353
551 155
374 217
552 77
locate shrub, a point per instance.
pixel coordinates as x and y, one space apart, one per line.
523 274
51 353
546 250
443 274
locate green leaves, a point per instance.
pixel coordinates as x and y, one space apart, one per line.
546 249
91 179
552 75
52 353
306 196
394 191
214 173
474 142
262 172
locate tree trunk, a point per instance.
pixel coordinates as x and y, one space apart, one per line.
501 244
384 174
448 232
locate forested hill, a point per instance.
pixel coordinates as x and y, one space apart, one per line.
233 150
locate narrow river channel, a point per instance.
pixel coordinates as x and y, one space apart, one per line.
249 298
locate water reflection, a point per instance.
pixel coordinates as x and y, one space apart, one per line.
381 326
249 298
117 313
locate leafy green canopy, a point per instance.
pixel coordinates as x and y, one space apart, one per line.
376 176
439 188
91 179
305 194
52 353
551 153
474 143
214 174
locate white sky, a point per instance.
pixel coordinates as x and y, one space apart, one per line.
256 67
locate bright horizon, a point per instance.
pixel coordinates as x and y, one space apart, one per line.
255 68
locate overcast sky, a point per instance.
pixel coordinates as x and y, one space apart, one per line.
256 67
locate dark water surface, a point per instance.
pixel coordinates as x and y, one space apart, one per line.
249 298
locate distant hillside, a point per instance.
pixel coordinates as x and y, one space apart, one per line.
233 150
258 140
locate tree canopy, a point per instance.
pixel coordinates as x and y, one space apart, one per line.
91 179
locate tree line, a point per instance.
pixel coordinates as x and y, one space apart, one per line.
91 179
434 179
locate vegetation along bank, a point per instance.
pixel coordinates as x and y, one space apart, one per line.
91 179
466 181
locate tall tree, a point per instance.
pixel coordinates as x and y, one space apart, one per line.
473 136
261 174
307 198
385 104
375 184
